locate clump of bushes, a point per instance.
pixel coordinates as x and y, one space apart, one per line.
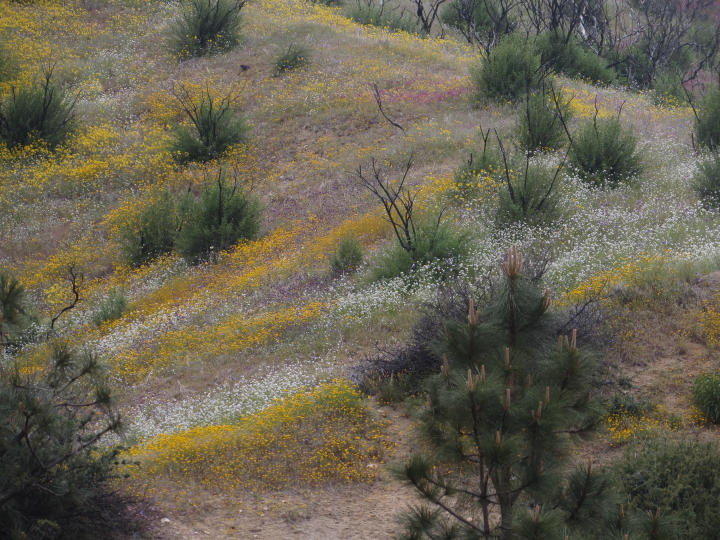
153 232
347 257
206 26
197 227
214 127
605 152
295 57
510 71
432 243
540 126
706 395
707 181
530 195
384 15
572 59
678 480
418 242
216 220
42 112
110 308
707 122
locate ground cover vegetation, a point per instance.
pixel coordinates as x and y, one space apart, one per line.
227 234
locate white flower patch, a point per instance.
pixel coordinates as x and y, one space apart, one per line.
224 403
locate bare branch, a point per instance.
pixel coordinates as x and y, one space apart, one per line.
378 100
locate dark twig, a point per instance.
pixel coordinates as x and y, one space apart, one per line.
378 100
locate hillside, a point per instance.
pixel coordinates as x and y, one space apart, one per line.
203 350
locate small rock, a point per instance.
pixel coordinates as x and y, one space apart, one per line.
165 520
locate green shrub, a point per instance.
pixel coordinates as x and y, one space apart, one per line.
205 26
214 127
470 17
215 221
634 67
7 65
440 244
706 395
707 124
347 257
572 58
295 57
681 479
40 112
54 467
605 152
110 308
540 126
627 404
473 173
668 89
707 181
532 196
153 232
510 70
384 15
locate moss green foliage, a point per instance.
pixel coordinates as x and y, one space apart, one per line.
214 127
707 124
347 257
41 112
53 469
530 195
706 395
385 15
217 219
206 26
496 413
707 181
605 153
294 57
572 59
511 70
110 308
153 232
434 243
680 478
540 125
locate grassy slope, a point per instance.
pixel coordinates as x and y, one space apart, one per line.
205 345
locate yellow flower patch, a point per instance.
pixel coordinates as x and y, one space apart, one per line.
316 436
